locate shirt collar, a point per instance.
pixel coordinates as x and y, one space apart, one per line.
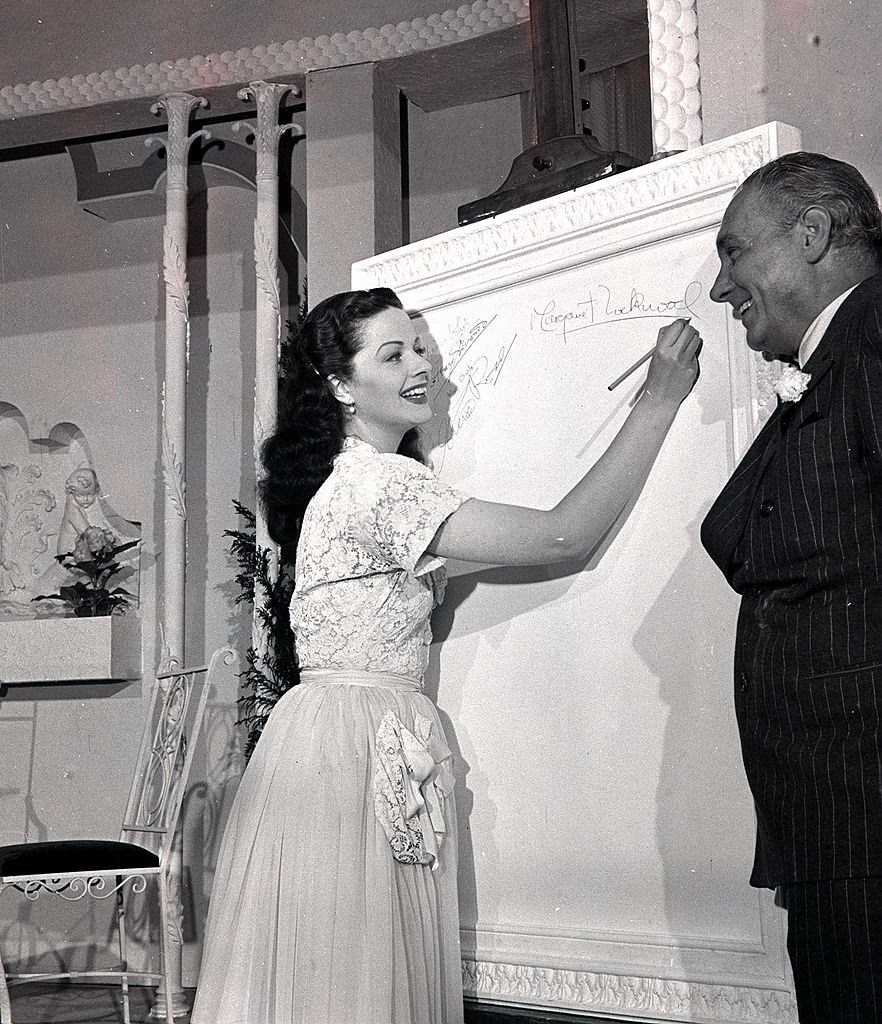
352 443
818 328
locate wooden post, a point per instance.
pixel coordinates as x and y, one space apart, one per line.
555 69
564 157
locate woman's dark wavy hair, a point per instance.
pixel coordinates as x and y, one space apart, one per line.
299 456
792 183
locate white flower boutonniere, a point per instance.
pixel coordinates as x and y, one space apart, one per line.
789 387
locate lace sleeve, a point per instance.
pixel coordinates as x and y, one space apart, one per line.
410 504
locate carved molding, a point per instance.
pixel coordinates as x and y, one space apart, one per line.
716 167
174 273
660 998
267 97
44 505
294 57
178 107
673 39
673 59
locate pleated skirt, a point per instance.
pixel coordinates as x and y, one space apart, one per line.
311 919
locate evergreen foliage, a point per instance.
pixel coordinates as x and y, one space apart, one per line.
273 672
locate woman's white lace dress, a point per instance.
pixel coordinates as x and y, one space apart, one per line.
334 899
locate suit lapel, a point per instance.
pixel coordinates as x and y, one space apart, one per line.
830 348
737 500
730 516
749 475
794 414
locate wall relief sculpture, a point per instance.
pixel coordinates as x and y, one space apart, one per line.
50 493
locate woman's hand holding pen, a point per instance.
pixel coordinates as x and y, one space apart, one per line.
673 370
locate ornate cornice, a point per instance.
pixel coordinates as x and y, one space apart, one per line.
673 38
645 189
294 57
660 998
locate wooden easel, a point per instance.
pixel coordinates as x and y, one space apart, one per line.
564 156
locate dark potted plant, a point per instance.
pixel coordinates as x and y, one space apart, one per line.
94 560
86 635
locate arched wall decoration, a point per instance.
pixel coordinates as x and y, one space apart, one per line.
673 34
45 502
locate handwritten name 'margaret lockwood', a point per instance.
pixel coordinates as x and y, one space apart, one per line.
599 308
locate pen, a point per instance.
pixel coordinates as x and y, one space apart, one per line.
631 369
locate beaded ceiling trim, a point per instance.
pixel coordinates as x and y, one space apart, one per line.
296 56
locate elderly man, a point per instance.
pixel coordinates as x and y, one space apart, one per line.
797 531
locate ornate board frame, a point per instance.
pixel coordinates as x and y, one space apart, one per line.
727 980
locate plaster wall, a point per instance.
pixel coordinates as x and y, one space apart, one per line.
815 64
79 330
83 336
457 155
82 329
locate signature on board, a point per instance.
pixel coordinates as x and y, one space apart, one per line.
601 307
472 366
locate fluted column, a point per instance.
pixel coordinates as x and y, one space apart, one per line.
178 107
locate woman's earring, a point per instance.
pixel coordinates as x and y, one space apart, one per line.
350 408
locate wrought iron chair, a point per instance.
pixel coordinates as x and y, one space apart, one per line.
76 868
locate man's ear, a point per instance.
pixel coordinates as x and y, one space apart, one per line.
339 390
815 226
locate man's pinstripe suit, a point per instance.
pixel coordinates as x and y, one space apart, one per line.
797 531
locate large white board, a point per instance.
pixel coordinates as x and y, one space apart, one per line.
606 829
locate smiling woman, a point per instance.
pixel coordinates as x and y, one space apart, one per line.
335 894
387 393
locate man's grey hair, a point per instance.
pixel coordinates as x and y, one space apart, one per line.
794 182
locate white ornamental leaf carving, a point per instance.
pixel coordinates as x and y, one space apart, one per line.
634 995
173 475
22 539
266 266
175 274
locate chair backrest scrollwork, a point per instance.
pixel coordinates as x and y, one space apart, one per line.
174 718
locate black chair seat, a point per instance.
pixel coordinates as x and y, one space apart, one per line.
82 855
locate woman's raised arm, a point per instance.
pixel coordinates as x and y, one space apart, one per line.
498 534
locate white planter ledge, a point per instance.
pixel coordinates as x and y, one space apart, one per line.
105 647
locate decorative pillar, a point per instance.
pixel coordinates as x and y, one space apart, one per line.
268 96
673 57
178 107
